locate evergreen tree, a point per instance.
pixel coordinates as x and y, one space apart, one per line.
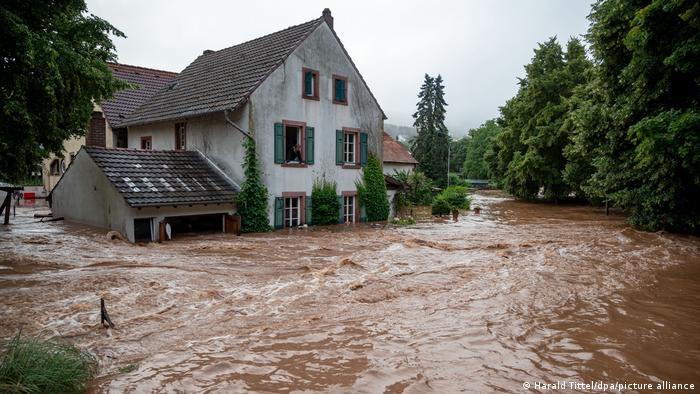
432 143
52 66
251 201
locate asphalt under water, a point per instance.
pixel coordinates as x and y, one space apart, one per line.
520 294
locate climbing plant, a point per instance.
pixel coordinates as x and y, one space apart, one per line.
252 199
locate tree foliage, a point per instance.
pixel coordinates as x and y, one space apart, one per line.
431 145
477 144
251 201
625 129
324 201
450 199
372 190
416 188
52 66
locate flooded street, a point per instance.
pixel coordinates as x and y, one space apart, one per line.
521 295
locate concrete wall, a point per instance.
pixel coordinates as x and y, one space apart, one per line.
390 167
85 195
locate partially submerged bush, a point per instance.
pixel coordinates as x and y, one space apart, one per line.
450 199
41 366
324 202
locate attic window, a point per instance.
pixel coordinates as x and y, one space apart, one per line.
340 90
309 84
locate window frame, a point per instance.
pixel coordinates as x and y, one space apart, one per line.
300 209
345 84
147 140
355 211
356 147
301 140
316 88
181 136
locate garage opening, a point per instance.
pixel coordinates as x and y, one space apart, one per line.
142 230
180 225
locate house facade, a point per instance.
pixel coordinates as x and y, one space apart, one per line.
294 88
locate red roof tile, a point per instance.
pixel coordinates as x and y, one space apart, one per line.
148 82
395 152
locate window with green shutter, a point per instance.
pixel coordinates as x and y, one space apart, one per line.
279 212
309 84
340 90
363 149
339 147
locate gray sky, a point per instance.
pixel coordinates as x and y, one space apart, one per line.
479 47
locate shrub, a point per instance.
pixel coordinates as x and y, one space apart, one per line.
372 190
39 366
324 202
453 197
251 201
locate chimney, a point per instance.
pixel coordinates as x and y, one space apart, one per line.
327 17
207 51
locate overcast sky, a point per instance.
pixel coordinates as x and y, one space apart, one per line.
479 46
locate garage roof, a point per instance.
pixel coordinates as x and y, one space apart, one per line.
148 178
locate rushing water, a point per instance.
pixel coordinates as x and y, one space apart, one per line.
521 294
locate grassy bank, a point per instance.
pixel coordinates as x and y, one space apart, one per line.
40 366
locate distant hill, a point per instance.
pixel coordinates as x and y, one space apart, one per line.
404 133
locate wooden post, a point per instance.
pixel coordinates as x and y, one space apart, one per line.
6 207
104 316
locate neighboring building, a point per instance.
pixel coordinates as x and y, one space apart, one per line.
105 128
295 86
397 157
140 193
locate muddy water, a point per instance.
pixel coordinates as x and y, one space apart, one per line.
521 293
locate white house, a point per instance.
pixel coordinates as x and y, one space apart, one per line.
295 86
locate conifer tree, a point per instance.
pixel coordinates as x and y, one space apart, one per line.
432 144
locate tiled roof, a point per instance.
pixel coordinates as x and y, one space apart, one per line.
147 178
225 79
148 82
395 152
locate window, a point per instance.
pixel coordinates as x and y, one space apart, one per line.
180 136
350 147
309 87
288 134
292 210
146 143
340 90
349 139
349 209
55 167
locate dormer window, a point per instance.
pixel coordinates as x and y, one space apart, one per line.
309 84
340 90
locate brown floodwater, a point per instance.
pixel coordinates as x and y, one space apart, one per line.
520 294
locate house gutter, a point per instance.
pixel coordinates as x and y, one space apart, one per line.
235 126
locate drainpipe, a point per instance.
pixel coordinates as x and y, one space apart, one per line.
235 126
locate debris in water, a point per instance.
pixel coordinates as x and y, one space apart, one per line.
104 316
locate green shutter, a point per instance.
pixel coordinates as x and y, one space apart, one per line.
308 210
308 83
363 211
339 147
340 90
363 148
279 143
279 212
309 149
340 211
343 94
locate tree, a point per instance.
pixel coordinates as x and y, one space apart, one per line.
458 152
53 65
529 158
372 190
641 120
251 201
415 187
477 143
431 145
